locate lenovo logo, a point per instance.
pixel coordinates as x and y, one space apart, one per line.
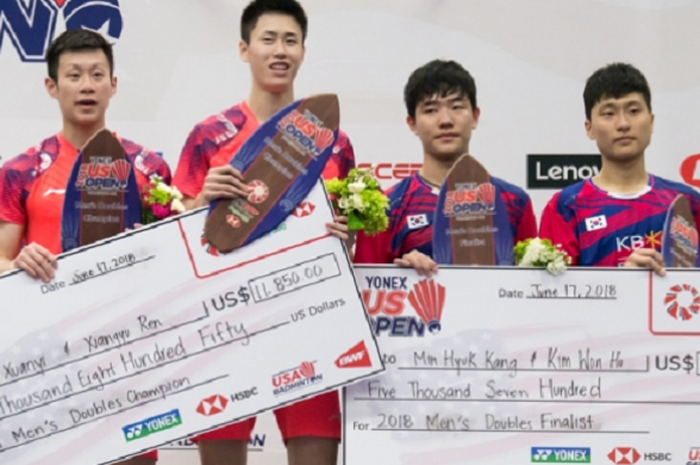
559 171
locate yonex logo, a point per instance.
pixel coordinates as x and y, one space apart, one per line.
560 455
152 425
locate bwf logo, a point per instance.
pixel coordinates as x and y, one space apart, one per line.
31 25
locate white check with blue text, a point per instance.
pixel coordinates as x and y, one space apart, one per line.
490 366
152 337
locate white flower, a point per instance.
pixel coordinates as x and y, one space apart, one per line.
344 203
356 202
541 254
533 252
357 187
175 192
163 188
177 206
557 266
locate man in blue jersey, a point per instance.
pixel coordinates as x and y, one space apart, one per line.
442 111
616 218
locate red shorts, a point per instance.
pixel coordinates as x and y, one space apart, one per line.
149 455
318 417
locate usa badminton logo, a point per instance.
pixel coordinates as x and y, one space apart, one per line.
31 25
295 379
470 199
103 174
386 300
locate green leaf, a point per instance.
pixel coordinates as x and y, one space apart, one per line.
147 216
355 223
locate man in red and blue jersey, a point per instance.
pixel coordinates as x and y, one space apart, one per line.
440 99
616 218
33 185
272 43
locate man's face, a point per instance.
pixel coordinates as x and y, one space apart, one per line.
621 127
444 124
84 87
275 52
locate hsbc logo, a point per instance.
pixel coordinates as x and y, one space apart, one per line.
624 456
388 171
213 405
630 456
559 171
304 209
244 395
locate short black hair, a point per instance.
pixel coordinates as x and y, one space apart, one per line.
257 8
614 81
74 41
441 78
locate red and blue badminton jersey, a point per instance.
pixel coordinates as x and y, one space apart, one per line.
215 141
597 228
413 204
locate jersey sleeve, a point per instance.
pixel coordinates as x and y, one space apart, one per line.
373 250
555 226
527 227
342 159
15 180
155 164
193 165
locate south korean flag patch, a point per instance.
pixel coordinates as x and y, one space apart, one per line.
417 221
595 223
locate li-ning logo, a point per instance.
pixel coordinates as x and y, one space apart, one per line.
385 301
306 132
683 302
470 199
104 174
30 25
684 234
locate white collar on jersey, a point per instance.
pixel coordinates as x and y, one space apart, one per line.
633 195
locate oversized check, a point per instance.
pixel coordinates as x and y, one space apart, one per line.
514 366
150 338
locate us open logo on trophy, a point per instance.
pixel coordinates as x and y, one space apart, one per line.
470 199
103 174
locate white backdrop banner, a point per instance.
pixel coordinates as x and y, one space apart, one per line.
177 63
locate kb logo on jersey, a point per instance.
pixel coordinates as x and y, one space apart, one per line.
31 25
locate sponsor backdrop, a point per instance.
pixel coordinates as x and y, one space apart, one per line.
177 62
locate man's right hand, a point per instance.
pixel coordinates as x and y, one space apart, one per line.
38 262
424 265
224 182
646 258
